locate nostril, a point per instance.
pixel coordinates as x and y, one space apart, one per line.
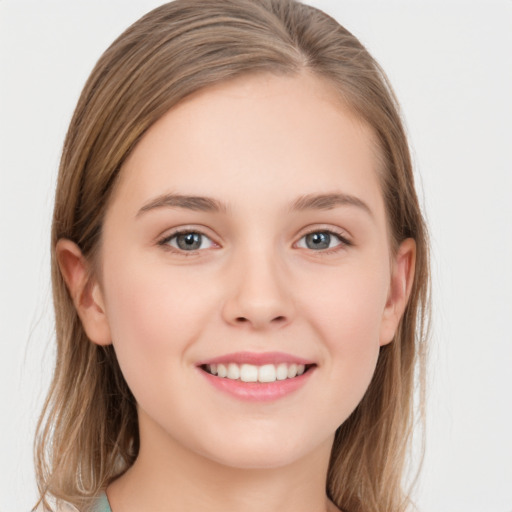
281 319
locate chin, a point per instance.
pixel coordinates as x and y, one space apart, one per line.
262 450
256 459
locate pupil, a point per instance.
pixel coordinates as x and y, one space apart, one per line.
318 240
189 241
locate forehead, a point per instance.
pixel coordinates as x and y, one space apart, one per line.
265 136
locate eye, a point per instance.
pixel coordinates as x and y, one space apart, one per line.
322 240
188 241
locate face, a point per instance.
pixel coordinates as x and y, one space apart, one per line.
246 276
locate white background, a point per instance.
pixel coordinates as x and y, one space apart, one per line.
450 63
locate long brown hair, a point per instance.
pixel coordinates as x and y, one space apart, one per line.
87 434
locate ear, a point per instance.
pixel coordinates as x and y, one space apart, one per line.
84 290
402 276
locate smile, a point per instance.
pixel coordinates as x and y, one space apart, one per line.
254 373
257 376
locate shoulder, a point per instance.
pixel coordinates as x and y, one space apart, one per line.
60 507
98 504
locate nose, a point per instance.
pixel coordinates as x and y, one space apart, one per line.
259 293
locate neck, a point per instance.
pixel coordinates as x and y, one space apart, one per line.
167 476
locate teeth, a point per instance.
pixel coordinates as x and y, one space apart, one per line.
292 371
267 373
222 371
233 371
253 373
248 373
282 371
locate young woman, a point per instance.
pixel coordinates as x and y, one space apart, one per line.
240 272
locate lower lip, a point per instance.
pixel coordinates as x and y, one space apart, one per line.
258 391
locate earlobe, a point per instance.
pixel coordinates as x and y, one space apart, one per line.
402 278
84 290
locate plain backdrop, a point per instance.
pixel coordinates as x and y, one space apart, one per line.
450 64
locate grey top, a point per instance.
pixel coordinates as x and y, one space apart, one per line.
101 504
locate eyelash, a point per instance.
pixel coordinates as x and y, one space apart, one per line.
344 242
164 242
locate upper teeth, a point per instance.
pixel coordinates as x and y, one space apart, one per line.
253 373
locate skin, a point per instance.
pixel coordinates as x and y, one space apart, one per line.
257 144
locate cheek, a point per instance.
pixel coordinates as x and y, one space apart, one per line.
154 317
347 316
349 305
143 298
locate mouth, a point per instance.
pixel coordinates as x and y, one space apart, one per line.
257 376
266 373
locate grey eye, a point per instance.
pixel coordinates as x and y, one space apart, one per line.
319 240
190 241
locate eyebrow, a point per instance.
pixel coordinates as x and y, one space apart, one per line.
208 204
196 203
328 202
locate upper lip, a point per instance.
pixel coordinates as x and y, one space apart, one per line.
256 358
